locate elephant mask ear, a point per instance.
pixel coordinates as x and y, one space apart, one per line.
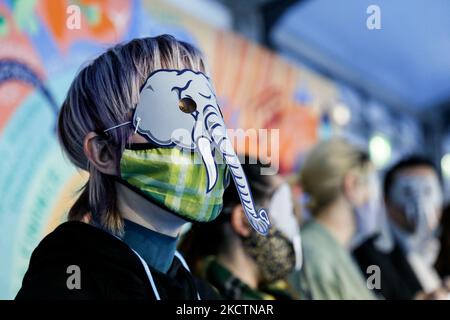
179 108
165 112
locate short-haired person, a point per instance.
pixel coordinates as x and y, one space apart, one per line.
413 198
143 120
237 261
336 177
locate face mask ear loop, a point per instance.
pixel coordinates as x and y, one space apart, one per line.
118 126
138 121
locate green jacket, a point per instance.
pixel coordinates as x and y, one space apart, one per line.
328 272
232 288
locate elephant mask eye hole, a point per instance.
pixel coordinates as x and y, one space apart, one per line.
187 105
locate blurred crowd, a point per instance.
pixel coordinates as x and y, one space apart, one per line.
360 233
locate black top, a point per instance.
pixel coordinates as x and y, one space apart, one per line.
398 280
109 269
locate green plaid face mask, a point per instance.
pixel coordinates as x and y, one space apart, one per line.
175 179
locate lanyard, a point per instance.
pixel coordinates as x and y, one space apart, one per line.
150 277
149 274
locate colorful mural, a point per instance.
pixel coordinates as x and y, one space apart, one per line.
39 57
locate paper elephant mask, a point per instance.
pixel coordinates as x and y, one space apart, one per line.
179 108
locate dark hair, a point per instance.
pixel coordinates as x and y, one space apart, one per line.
261 186
204 239
411 161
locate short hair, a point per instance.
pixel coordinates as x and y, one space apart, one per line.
411 161
261 186
324 170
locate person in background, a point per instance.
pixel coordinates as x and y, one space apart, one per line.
396 279
336 178
237 261
413 199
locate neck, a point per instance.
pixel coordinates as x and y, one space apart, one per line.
234 260
137 209
338 219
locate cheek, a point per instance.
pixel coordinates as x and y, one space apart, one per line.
366 194
362 196
435 219
137 138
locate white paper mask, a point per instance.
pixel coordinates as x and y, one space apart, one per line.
283 218
179 108
418 195
421 200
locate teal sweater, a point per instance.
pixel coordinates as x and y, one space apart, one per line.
155 248
328 272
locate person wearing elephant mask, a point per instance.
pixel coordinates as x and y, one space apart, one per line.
143 120
239 262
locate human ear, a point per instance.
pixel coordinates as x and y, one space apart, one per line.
99 153
239 222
